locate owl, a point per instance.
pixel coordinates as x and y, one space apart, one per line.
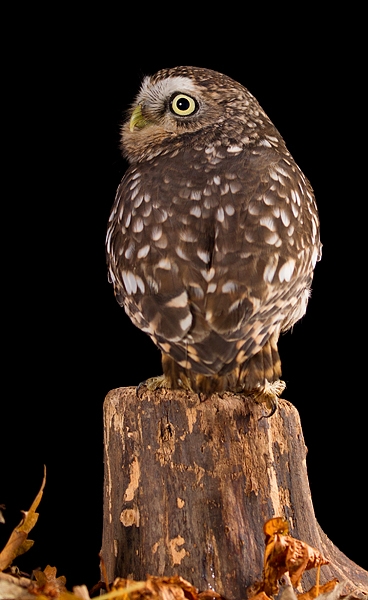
214 236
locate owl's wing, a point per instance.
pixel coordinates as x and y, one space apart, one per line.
145 257
266 249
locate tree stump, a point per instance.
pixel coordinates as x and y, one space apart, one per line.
189 485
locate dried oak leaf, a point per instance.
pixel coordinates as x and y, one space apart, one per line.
157 588
274 526
18 542
47 584
299 557
284 553
212 595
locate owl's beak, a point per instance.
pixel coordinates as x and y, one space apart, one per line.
137 120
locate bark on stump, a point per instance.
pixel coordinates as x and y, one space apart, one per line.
189 485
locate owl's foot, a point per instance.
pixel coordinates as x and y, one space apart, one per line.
152 384
162 382
269 394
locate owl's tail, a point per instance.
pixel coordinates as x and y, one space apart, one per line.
263 366
252 377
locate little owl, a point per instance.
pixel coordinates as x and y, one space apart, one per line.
214 234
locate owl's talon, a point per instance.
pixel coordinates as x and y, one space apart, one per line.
275 403
154 383
139 387
269 394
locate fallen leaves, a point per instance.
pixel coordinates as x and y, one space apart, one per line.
44 586
288 557
49 587
285 558
47 584
18 542
317 590
158 588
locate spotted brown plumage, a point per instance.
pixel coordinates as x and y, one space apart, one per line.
214 234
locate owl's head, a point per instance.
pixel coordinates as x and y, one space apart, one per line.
183 101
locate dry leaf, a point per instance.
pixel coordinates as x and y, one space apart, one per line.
285 554
75 595
156 588
65 596
274 526
18 542
47 584
13 548
13 591
302 559
320 589
125 591
81 592
212 595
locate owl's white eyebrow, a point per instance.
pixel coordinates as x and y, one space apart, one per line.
162 89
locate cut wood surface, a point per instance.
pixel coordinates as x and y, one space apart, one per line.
189 485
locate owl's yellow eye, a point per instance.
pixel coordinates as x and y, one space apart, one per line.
183 105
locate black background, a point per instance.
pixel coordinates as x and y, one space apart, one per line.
66 343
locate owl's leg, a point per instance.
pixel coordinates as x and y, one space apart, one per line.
179 377
185 377
174 377
260 375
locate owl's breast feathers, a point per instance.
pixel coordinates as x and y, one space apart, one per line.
211 250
